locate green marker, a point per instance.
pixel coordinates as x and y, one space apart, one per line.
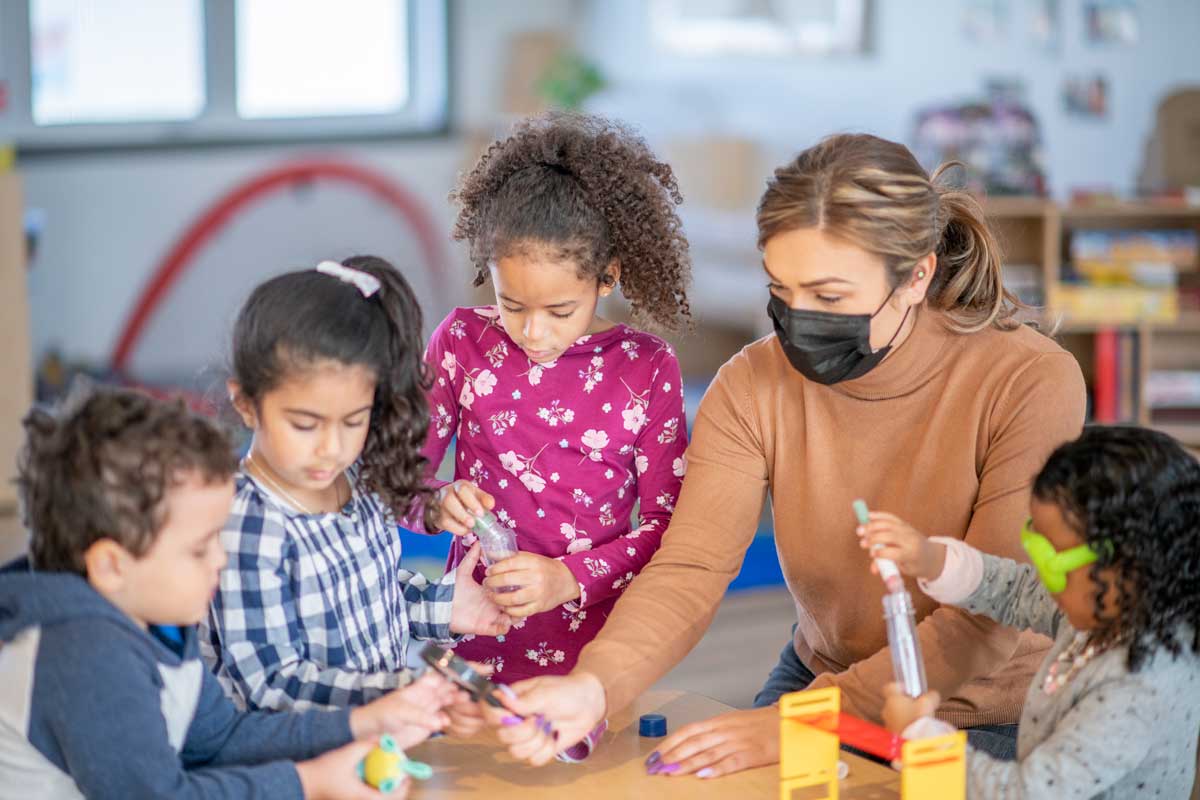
887 568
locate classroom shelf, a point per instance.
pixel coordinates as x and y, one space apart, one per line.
1036 232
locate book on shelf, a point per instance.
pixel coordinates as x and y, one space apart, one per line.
1116 392
1173 389
1172 246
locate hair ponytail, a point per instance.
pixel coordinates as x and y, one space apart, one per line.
392 464
968 286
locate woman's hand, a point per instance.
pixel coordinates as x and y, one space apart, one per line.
727 743
888 536
900 710
474 609
459 503
558 712
544 583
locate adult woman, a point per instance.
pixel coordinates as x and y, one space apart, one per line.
898 373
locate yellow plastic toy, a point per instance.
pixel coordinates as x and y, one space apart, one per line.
385 766
812 728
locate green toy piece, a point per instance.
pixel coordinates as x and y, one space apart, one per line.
384 767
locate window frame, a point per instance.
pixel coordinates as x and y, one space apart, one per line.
425 114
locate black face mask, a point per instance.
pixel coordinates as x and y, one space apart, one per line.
826 347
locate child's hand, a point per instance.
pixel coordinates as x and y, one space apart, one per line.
459 504
334 775
888 536
466 715
900 710
474 609
410 714
544 584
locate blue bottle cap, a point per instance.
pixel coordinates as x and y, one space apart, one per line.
653 725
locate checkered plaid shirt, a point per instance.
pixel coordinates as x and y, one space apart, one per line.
314 610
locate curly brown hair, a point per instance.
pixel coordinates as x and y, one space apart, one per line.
591 190
100 466
294 320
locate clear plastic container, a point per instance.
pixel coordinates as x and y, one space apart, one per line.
907 663
497 541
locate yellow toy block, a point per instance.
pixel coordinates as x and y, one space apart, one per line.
935 768
808 751
809 722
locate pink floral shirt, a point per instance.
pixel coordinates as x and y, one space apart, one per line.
568 449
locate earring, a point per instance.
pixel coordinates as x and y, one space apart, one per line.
920 274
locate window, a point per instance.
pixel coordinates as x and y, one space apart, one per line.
79 76
143 72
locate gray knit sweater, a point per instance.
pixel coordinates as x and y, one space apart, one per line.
1106 733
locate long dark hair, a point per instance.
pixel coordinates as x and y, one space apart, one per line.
298 318
1134 496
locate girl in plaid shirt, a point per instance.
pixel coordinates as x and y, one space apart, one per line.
314 609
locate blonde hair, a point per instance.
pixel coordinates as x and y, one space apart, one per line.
875 194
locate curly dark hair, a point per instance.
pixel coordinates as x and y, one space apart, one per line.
1133 495
592 191
100 465
296 319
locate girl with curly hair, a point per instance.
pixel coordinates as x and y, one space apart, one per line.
1115 543
565 421
314 609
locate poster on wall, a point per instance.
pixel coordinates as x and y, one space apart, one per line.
1045 27
1086 96
1112 22
759 27
985 20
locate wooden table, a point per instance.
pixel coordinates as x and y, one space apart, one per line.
481 770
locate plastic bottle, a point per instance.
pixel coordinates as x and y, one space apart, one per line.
907 664
498 541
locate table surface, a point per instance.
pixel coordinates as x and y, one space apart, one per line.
479 768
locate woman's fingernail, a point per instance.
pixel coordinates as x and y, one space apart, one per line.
667 769
653 768
707 772
510 721
653 758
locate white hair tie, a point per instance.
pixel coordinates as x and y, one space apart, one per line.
366 283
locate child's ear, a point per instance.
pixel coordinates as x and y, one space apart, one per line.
241 404
610 277
107 564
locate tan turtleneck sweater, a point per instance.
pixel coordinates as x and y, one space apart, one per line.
947 433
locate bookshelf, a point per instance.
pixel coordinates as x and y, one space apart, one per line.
1035 235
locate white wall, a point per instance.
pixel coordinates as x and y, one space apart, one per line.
919 57
111 217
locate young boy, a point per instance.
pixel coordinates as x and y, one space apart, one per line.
101 694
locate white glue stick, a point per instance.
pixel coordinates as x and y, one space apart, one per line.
888 570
